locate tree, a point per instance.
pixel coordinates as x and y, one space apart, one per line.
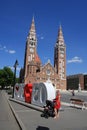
6 77
1 78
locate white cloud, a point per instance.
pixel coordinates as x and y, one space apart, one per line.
12 51
4 48
41 37
75 60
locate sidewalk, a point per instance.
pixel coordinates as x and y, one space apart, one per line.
29 117
70 118
7 120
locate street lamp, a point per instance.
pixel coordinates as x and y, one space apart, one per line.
15 66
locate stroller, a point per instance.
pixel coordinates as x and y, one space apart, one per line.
48 109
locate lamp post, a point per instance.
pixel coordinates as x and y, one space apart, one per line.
15 66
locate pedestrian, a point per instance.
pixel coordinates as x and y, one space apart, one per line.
57 104
73 93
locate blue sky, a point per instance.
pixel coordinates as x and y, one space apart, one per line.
15 21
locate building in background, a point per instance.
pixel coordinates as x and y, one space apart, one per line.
77 82
85 82
34 71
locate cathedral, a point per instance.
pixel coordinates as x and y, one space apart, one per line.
34 72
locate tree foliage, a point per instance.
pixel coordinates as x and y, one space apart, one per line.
6 77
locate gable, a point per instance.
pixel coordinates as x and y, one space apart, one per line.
47 69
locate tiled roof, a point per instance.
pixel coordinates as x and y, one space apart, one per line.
37 59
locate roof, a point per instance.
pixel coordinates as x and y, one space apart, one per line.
37 59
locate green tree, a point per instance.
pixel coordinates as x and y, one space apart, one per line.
6 77
1 78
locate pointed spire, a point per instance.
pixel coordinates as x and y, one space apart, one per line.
32 28
33 18
32 31
60 39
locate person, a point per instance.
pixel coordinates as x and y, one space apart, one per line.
57 105
73 93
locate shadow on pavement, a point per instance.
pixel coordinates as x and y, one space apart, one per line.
42 128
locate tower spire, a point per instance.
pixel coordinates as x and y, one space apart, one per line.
59 55
32 32
33 18
32 24
60 39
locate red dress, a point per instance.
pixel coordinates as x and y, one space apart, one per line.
57 102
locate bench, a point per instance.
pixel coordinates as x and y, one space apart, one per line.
78 103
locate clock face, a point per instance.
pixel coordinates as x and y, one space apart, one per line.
31 50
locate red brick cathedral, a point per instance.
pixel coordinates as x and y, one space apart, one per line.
34 71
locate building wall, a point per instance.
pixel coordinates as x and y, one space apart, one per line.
73 81
85 82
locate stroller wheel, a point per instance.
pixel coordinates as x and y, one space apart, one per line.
46 116
42 115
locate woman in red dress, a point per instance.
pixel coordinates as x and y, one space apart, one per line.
57 104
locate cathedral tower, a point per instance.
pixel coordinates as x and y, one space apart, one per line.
34 72
60 58
31 61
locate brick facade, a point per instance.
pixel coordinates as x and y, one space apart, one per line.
34 71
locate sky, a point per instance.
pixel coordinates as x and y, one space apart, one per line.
15 21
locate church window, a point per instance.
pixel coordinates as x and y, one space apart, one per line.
31 43
27 69
33 55
63 63
33 69
30 69
29 58
63 75
48 72
63 69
